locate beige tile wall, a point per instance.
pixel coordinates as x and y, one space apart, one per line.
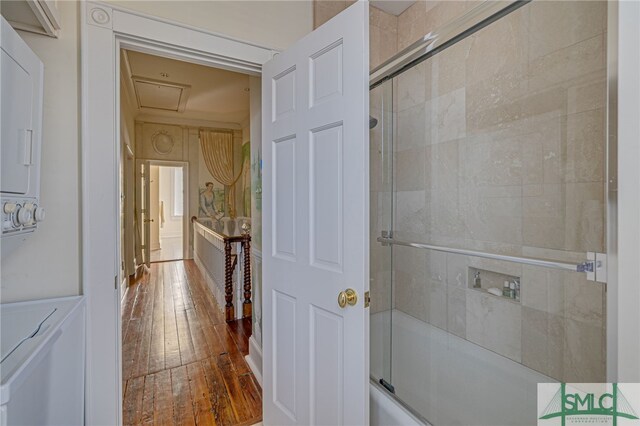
500 147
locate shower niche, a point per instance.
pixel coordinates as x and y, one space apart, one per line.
493 283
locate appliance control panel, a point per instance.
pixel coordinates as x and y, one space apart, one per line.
20 215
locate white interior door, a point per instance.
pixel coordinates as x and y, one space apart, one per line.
316 226
143 198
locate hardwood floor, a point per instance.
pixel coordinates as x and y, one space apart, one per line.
182 363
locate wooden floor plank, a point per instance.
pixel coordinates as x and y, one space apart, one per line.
235 356
182 403
162 399
156 354
182 363
241 333
200 345
240 408
181 275
246 327
187 351
252 395
171 345
129 348
207 301
198 339
128 300
141 362
148 400
220 401
132 409
202 410
131 328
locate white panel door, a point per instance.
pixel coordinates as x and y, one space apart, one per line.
316 226
143 203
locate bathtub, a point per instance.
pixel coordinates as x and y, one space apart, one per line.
446 380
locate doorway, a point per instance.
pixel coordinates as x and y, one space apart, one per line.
170 213
182 359
166 211
101 143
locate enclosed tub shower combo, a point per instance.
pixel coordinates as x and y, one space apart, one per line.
488 212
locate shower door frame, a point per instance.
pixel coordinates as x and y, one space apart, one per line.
617 290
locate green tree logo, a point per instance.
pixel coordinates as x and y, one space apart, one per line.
566 404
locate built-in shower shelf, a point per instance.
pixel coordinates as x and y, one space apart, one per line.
506 299
491 279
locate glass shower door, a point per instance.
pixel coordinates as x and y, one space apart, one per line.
498 153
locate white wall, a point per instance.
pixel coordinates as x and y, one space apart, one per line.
48 263
274 24
245 180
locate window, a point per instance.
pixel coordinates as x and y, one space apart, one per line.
177 191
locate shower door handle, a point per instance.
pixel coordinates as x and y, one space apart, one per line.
347 297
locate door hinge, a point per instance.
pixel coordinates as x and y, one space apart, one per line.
367 299
115 282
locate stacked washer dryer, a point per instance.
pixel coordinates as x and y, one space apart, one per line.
41 342
21 131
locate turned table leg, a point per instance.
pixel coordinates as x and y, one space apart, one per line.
229 313
246 306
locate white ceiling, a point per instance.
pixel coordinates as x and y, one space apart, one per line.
394 7
207 93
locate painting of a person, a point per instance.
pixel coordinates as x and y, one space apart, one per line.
207 202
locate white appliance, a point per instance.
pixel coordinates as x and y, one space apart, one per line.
42 366
21 78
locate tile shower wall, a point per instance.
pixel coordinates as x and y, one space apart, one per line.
500 147
383 28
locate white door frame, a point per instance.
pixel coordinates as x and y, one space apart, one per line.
623 298
186 221
105 29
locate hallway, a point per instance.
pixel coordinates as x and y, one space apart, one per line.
182 364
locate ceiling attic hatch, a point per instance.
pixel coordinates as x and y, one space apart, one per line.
160 95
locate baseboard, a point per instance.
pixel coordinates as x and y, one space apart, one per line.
254 359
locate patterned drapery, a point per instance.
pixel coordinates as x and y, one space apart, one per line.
217 150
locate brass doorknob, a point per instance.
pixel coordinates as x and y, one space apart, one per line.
349 296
